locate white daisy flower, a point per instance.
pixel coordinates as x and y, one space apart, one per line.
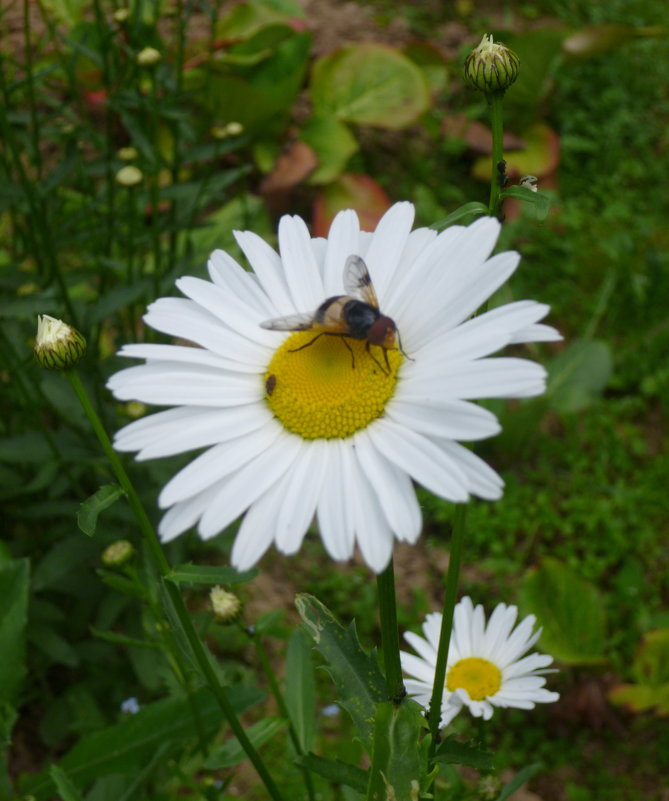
484 668
297 425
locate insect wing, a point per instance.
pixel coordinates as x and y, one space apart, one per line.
357 281
292 322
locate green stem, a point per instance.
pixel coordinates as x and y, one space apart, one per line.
495 101
390 638
171 589
450 593
281 703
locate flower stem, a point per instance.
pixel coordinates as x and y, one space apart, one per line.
495 101
457 539
390 639
171 589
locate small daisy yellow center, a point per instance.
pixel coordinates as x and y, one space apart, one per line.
329 387
478 676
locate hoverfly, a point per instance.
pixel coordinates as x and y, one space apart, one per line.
355 315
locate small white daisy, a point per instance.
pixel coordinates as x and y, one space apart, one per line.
484 668
297 426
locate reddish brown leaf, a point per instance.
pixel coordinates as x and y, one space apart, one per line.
350 191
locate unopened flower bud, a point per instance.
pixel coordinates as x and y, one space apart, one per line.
118 553
58 346
129 176
121 15
491 67
230 129
127 153
529 182
226 605
148 57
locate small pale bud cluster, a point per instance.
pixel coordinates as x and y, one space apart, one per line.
127 153
225 131
148 57
118 553
129 176
491 67
58 346
226 605
121 15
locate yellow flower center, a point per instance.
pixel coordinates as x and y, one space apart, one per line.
329 387
478 676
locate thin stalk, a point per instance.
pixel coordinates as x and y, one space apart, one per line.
281 703
153 186
30 83
171 589
450 593
390 638
495 101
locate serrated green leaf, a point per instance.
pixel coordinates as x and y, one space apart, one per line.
452 752
578 375
468 211
14 586
570 611
538 200
127 746
336 771
397 764
300 689
213 574
231 753
91 508
356 674
369 84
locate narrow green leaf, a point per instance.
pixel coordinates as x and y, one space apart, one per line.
210 574
452 752
90 509
127 746
301 689
463 213
336 771
231 753
64 784
519 780
397 769
14 585
356 674
333 143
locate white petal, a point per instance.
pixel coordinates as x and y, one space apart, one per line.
419 457
218 462
234 279
257 529
300 490
464 343
188 427
299 264
335 514
167 384
393 488
527 665
388 242
229 309
482 480
343 241
453 419
422 647
184 354
244 487
372 532
417 668
185 319
266 264
186 514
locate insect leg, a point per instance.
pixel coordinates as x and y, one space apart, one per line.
311 342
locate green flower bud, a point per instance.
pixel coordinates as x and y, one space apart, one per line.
129 176
226 605
148 57
58 346
491 67
118 553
